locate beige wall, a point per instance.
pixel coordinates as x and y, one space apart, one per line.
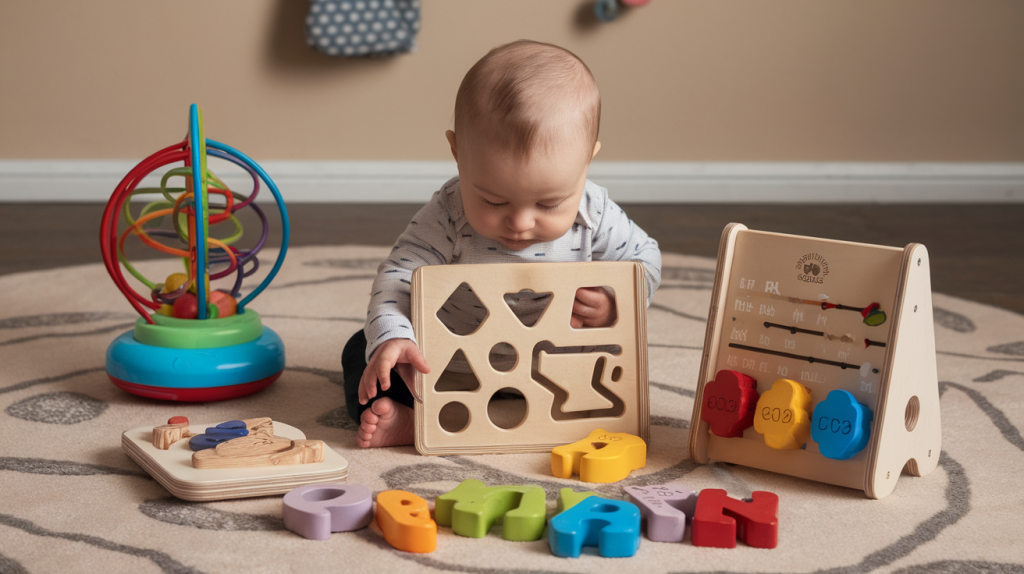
709 80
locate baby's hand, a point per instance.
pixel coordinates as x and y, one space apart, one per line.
593 307
400 354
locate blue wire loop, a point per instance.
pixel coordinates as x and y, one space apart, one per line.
285 226
200 215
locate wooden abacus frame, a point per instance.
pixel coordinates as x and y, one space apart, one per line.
905 430
624 374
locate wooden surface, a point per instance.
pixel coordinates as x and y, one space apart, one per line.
548 421
977 251
765 323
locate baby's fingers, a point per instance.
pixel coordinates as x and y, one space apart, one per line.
591 296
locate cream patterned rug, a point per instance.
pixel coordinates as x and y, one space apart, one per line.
72 501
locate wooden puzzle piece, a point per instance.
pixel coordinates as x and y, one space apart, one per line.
404 518
227 431
166 435
315 511
841 426
472 508
717 514
218 434
607 378
665 507
259 450
567 498
613 526
782 415
601 457
729 403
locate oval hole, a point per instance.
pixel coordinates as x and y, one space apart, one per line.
616 374
454 417
503 357
322 494
507 408
912 412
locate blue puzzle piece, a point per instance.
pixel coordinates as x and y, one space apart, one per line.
218 434
613 526
840 425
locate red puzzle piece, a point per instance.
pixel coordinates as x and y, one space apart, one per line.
729 403
716 516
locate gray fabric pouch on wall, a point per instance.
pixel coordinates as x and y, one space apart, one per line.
357 28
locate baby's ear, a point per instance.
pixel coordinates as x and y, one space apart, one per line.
597 147
451 141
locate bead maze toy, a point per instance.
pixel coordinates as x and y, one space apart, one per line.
819 361
192 343
572 380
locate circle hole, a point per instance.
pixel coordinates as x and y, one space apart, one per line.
912 412
322 494
454 417
507 408
503 357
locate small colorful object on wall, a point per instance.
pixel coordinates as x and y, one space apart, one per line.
192 342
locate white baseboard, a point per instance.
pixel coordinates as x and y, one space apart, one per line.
629 182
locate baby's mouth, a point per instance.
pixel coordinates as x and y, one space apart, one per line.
516 243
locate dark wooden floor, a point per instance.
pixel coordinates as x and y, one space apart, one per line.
977 251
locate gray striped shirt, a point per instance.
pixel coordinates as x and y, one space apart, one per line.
439 234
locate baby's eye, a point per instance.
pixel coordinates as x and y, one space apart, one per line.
550 207
492 204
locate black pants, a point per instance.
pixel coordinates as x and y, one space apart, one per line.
353 363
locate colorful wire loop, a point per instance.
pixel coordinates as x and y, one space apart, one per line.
179 223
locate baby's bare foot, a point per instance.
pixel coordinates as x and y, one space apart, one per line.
385 423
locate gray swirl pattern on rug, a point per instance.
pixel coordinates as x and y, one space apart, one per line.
63 419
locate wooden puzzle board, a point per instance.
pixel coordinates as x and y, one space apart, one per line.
173 468
767 322
624 374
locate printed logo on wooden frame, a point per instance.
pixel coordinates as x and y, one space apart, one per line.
571 381
806 317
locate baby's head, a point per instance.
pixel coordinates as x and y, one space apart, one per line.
526 124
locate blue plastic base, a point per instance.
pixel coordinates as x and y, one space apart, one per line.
166 369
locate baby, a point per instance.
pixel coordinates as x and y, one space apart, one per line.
526 124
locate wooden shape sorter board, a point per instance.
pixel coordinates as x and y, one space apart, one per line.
173 469
797 314
573 380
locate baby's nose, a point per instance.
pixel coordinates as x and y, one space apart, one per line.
520 221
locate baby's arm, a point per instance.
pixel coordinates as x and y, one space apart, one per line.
401 354
617 238
426 241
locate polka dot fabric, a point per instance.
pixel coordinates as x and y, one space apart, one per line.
356 28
